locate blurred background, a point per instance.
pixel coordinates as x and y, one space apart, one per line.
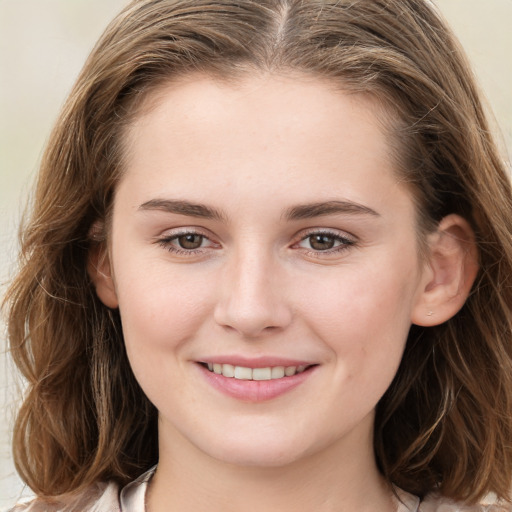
43 44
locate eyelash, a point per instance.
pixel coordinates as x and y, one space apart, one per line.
167 242
344 243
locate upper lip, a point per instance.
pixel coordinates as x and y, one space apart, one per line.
255 362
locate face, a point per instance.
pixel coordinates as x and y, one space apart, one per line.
265 263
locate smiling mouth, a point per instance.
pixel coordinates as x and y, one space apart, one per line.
245 373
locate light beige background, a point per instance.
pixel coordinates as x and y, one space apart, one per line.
43 44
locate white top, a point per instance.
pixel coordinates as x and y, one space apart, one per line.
106 497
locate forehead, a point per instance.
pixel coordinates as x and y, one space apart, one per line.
296 138
272 108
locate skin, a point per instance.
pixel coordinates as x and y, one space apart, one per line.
258 285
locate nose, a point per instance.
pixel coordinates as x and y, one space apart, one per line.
252 300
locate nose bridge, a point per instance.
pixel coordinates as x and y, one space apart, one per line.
250 300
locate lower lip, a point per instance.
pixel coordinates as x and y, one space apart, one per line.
255 390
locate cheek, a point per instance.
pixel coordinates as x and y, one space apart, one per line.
364 316
365 328
365 296
159 309
160 313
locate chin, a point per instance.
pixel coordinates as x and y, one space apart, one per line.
272 452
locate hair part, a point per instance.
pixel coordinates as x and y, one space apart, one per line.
444 424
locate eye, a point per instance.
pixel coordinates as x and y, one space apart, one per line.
321 241
325 242
189 241
186 242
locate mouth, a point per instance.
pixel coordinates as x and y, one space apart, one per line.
255 380
255 374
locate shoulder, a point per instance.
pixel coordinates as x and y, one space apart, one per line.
101 497
435 503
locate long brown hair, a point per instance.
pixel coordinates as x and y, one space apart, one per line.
446 421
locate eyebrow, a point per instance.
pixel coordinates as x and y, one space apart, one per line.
311 210
183 208
299 212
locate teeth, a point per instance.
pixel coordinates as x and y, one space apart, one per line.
290 370
244 373
261 374
228 370
277 372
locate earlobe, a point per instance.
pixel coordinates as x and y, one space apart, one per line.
452 269
100 270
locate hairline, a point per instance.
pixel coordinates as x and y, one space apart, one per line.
384 110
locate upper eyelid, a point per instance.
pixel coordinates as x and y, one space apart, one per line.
301 235
175 232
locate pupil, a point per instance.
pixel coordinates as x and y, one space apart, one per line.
190 241
321 242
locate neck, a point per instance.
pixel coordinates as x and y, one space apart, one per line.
342 477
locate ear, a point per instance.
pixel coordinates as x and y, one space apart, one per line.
451 270
99 267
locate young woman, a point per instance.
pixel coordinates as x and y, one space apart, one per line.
269 267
